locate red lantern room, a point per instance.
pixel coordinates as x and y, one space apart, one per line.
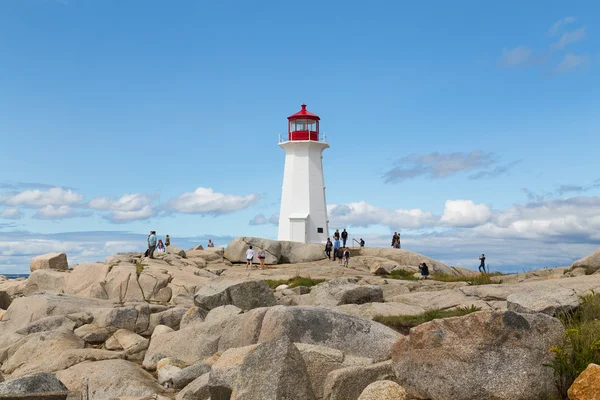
303 125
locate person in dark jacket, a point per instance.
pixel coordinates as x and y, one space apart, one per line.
328 247
482 264
344 238
424 270
362 242
339 254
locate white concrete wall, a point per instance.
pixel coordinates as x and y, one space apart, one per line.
303 189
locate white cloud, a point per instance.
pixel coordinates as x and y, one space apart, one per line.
364 215
130 207
58 212
39 198
570 37
11 213
572 61
515 57
260 219
207 201
128 202
559 24
121 217
465 213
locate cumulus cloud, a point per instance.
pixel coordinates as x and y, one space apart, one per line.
571 61
55 196
260 219
207 201
58 212
442 165
11 213
465 213
515 57
362 214
568 38
130 207
556 27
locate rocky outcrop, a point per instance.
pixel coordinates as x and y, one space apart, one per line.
276 252
43 382
459 351
587 385
405 258
349 383
88 280
345 291
105 379
49 261
547 300
591 261
47 281
242 293
379 390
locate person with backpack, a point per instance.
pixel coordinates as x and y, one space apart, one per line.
328 247
362 242
346 257
344 238
340 254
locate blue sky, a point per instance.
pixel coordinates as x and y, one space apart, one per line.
468 126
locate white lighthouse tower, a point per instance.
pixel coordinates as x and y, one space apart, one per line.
303 214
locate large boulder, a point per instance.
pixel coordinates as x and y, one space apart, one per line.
349 383
105 379
544 299
408 260
49 261
325 327
483 355
176 251
42 382
591 261
587 385
345 291
380 390
242 293
188 374
122 284
198 389
296 252
154 284
87 280
273 370
319 362
46 280
236 250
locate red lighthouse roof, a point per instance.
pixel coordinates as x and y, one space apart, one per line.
304 113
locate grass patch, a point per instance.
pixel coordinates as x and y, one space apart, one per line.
294 282
139 267
403 323
401 275
580 345
481 279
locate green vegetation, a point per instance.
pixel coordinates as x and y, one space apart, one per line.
403 323
402 275
294 282
580 345
139 267
481 279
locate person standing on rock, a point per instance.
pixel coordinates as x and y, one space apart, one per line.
328 247
344 238
336 235
151 244
346 257
249 257
160 247
167 241
340 255
336 246
362 242
210 243
482 264
261 256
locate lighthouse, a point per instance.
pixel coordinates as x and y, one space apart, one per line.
303 213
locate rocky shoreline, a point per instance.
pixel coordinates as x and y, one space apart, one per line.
197 325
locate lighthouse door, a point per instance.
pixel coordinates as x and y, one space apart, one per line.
298 230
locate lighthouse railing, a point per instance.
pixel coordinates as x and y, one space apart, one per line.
284 138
